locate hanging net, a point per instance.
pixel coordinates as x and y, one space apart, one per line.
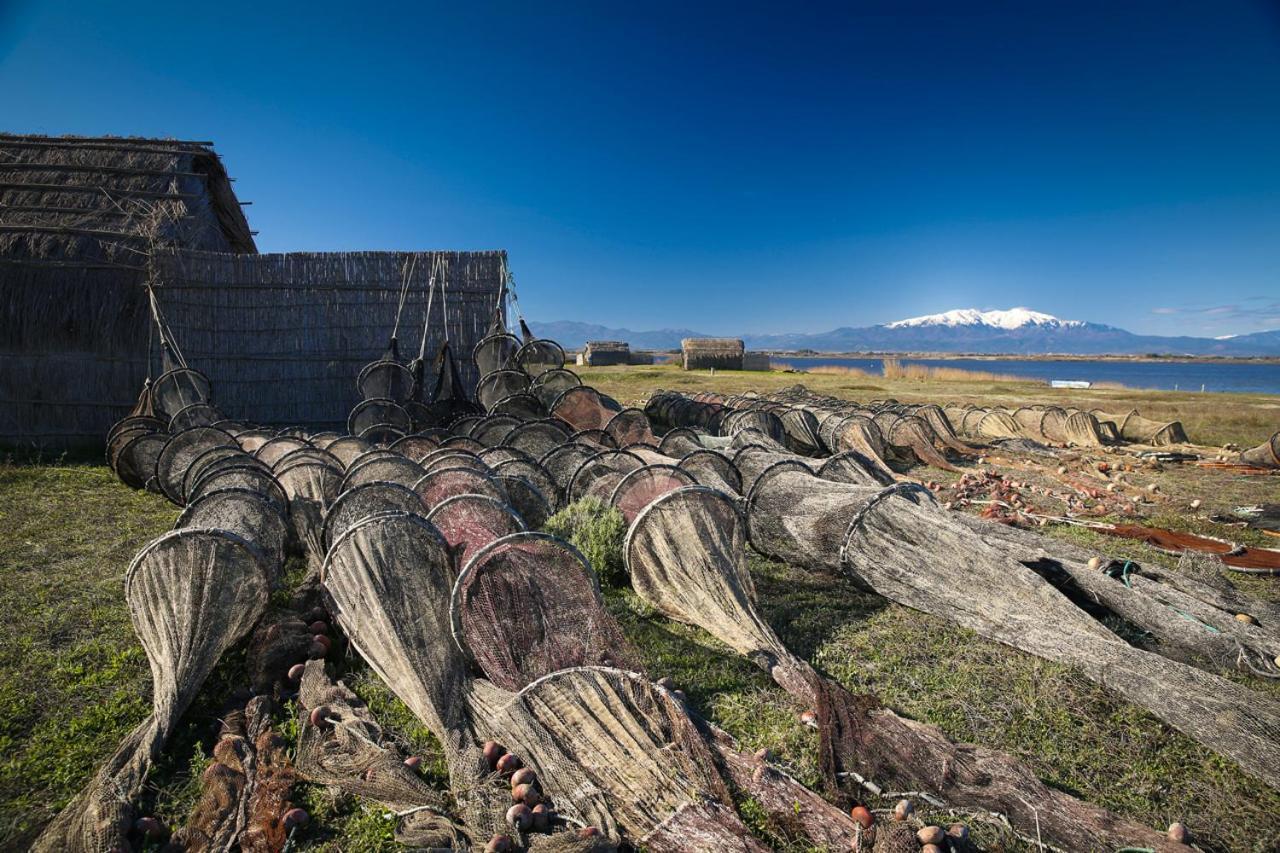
499 385
549 385
385 379
496 352
539 356
176 389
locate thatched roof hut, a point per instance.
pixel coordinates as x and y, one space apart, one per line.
706 353
77 218
601 353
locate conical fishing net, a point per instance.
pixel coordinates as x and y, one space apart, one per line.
360 502
247 514
181 450
713 470
527 499
447 457
385 379
521 406
582 408
470 522
496 352
136 461
394 469
379 412
499 385
549 385
176 389
630 426
539 356
443 483
197 414
605 464
641 487
277 448
562 463
527 605
534 473
537 438
596 438
1265 455
254 477
306 454
415 446
493 430
311 481
191 593
220 456
679 442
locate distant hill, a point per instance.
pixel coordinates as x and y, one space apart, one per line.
1016 331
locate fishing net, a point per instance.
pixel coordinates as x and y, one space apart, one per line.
597 438
251 440
538 438
463 425
382 434
443 483
353 753
496 352
311 481
747 419
679 442
499 385
801 428
470 522
135 464
582 407
181 450
562 462
854 467
385 379
630 426
523 407
493 430
306 454
527 605
914 434
549 385
277 448
176 389
462 442
389 579
538 476
394 469
686 555
252 476
447 457
1135 428
192 593
537 357
1265 455
606 465
526 498
247 514
360 502
415 446
197 414
379 412
713 470
495 456
639 488
121 437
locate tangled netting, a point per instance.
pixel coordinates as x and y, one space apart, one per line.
418 526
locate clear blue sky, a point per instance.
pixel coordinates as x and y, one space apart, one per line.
729 168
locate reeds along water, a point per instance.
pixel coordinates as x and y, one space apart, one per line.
895 369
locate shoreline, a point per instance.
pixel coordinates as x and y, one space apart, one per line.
953 356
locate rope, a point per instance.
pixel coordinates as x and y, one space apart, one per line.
1124 578
431 295
406 277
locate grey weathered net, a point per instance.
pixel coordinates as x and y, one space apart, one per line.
539 356
356 503
197 414
1265 455
499 385
538 438
493 429
378 412
582 408
527 499
918 555
496 352
135 464
192 593
550 384
1133 427
178 388
249 515
180 451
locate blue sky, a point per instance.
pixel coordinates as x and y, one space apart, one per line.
738 167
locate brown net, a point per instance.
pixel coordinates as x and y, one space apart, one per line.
1265 455
630 426
639 488
469 523
441 484
527 605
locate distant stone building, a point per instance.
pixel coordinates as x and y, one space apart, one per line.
604 353
707 353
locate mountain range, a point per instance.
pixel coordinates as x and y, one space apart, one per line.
1016 331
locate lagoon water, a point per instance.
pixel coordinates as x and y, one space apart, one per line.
1252 378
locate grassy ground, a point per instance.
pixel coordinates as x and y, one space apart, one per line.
73 679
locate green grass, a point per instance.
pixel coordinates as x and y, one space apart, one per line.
73 679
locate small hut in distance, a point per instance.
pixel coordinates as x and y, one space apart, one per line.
708 353
604 353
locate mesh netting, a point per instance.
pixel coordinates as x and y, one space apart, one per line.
562 462
528 500
1265 455
192 593
247 514
496 352
443 483
493 430
415 446
136 461
639 488
275 449
386 379
220 455
520 406
197 414
447 457
537 438
393 469
175 390
461 442
597 438
630 426
679 442
539 356
605 464
469 522
562 621
550 385
251 440
368 499
379 412
535 474
499 385
254 477
306 454
712 469
312 481
180 451
582 408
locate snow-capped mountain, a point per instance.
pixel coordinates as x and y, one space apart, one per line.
1014 318
967 330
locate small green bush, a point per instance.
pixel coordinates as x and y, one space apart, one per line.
597 531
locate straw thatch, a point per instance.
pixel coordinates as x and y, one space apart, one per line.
282 336
77 216
602 353
706 353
